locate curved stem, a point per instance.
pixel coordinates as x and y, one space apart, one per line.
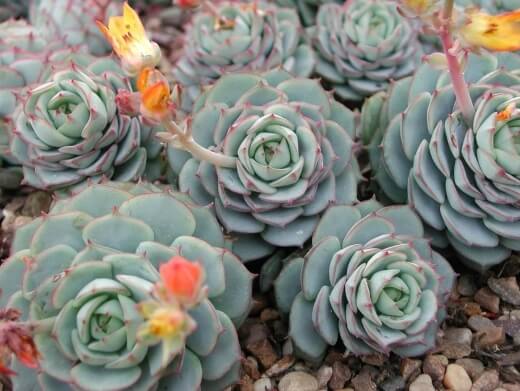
185 141
459 84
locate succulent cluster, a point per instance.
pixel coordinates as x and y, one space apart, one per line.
69 129
459 176
73 22
238 37
79 287
129 285
370 280
294 152
362 45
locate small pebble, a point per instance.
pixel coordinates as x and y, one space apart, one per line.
479 322
298 381
473 367
460 335
456 378
340 375
488 381
422 383
466 285
410 367
507 288
490 337
263 384
269 314
323 375
488 300
394 383
435 366
363 381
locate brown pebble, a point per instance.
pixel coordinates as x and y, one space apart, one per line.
269 314
473 367
363 381
410 368
507 288
488 381
490 337
487 299
376 359
435 366
340 375
456 378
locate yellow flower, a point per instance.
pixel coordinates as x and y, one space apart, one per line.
165 323
128 38
492 32
156 104
418 7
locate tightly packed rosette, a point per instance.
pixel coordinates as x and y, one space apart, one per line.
362 45
73 22
69 130
370 280
80 273
293 149
307 9
242 37
461 176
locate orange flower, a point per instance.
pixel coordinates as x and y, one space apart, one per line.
492 32
155 94
127 36
183 280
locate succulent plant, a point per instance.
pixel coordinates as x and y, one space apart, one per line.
460 177
73 22
23 59
294 152
362 45
13 9
306 8
370 280
242 37
90 260
69 129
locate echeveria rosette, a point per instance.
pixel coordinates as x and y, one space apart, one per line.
69 130
362 45
77 274
370 280
257 37
294 152
462 179
307 9
73 22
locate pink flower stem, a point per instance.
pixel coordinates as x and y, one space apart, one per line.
457 77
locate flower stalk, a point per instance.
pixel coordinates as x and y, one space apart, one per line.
457 77
184 140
